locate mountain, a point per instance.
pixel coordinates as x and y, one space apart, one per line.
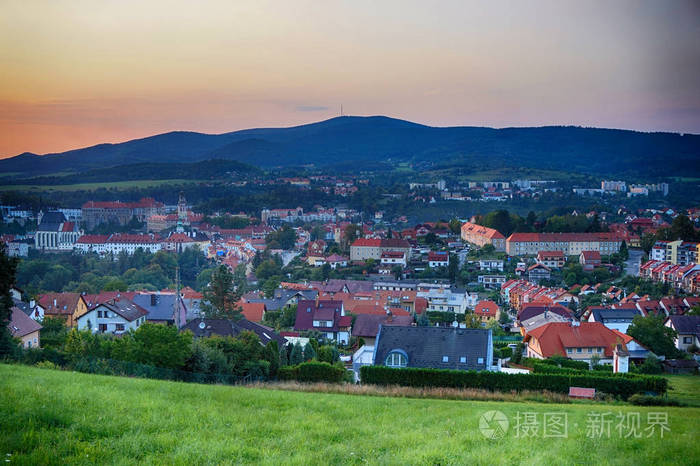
361 140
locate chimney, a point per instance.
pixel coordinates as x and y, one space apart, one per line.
32 304
154 300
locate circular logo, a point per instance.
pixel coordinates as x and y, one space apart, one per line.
493 425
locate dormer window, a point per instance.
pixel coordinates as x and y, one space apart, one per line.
396 359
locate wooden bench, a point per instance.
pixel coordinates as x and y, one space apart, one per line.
578 392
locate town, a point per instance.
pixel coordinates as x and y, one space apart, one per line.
327 233
327 278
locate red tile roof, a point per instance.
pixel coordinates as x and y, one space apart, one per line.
591 256
554 338
486 308
253 311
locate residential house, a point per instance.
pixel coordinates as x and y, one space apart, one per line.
116 316
366 326
326 317
434 348
491 265
314 253
448 300
67 306
618 319
589 260
393 258
162 308
491 281
438 259
372 248
25 328
205 328
335 261
687 329
552 259
538 272
487 309
254 312
574 340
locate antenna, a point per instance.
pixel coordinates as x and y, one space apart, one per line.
341 109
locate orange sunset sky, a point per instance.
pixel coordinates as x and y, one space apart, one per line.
78 73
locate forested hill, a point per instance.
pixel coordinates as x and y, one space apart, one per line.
364 140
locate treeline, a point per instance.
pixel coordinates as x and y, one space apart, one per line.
204 170
91 273
550 222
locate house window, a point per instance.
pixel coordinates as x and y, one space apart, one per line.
396 359
102 328
99 313
463 359
120 327
445 359
579 350
687 340
480 360
568 350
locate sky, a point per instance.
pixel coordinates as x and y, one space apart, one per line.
78 73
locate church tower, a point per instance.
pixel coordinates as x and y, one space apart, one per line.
181 213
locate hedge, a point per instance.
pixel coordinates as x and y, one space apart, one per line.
500 381
312 371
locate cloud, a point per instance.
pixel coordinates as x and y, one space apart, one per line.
311 108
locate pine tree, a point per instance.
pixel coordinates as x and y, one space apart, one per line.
309 352
297 356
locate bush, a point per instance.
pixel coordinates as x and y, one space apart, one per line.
46 365
312 371
647 400
564 362
499 381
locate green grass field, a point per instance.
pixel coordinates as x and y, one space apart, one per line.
92 186
59 417
685 388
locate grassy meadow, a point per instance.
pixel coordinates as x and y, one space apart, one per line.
59 417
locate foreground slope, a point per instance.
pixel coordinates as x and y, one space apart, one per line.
377 139
65 417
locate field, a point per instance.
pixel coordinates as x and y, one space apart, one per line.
92 186
685 388
57 417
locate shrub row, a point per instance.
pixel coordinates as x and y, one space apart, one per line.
312 371
563 362
499 381
539 368
646 400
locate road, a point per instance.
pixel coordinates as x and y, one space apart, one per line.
632 264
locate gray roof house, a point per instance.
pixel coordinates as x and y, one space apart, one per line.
161 308
434 348
227 328
688 328
619 319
